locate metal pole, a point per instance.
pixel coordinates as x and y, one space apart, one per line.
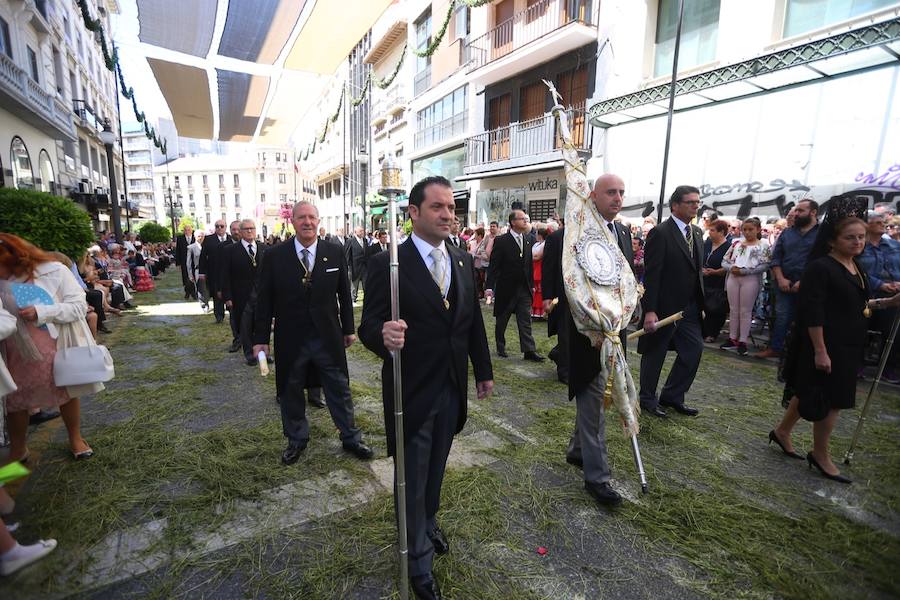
122 151
865 409
114 193
665 169
399 454
639 463
172 212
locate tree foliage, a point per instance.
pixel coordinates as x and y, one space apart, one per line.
47 221
154 233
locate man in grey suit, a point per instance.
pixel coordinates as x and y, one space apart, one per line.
587 373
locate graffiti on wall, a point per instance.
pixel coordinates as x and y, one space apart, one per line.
778 196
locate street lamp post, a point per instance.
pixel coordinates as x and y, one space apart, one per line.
172 212
108 137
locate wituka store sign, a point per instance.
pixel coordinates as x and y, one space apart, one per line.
543 194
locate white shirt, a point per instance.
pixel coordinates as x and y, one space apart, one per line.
298 247
425 249
249 245
681 226
221 238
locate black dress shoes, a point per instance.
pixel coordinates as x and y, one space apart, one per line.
439 540
103 329
219 321
502 353
534 357
359 450
42 416
603 493
316 400
252 361
425 587
234 347
682 409
270 360
575 461
655 411
292 453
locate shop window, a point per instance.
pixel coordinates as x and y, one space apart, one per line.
45 165
23 176
699 34
801 16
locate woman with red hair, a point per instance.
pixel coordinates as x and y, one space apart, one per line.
42 330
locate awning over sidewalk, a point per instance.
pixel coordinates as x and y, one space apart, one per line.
873 46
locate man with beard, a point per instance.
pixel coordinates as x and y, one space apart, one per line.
439 331
788 261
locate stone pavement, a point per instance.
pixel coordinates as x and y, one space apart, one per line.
186 497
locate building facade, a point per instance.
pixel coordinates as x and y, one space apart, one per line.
258 183
776 100
139 172
57 96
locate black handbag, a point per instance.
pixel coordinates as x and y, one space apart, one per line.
813 402
715 301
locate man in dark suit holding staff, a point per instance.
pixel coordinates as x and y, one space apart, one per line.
304 285
673 282
440 329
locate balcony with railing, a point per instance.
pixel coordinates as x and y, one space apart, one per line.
527 143
544 30
86 116
27 99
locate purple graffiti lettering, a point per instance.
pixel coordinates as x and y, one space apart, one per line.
890 178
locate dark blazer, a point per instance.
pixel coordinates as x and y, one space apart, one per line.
455 245
439 341
210 260
181 244
508 272
356 255
374 249
552 279
238 273
282 295
672 278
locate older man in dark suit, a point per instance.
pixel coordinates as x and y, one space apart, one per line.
510 280
304 285
210 266
181 244
240 263
673 282
440 329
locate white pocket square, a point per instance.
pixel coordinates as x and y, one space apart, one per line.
332 270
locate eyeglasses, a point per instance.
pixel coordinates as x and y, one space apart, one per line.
220 227
248 228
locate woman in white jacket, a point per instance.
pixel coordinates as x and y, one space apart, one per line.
30 352
13 556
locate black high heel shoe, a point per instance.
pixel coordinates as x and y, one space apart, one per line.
774 438
813 463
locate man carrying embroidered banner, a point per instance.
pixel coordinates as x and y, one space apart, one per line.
603 296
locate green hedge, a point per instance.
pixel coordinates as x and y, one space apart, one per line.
47 221
154 233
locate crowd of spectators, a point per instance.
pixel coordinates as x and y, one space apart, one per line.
81 295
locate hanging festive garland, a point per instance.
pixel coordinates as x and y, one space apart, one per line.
385 83
112 63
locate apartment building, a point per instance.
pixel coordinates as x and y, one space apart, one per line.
57 96
513 156
442 97
251 183
775 100
391 121
139 172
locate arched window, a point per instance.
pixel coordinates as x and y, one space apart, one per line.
23 176
48 180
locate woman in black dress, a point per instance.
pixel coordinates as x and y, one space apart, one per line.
830 337
714 250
